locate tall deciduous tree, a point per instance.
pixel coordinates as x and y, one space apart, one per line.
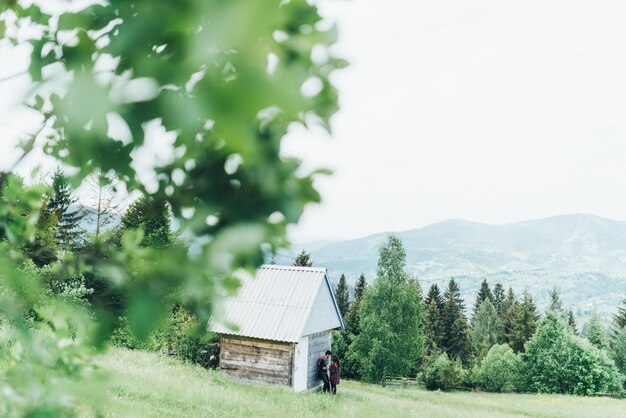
391 314
303 259
342 296
455 339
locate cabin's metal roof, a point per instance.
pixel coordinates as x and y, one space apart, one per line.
278 304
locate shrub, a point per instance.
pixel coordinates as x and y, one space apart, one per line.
443 373
499 370
556 361
123 337
186 336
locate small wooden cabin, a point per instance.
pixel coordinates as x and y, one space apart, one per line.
284 318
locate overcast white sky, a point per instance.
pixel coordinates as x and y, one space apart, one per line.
488 110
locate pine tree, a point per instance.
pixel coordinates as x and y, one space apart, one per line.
498 297
352 317
350 364
486 330
595 332
524 317
62 203
506 315
342 296
433 321
455 341
361 284
303 260
484 293
415 282
555 305
154 218
45 247
619 319
618 350
390 319
571 321
434 294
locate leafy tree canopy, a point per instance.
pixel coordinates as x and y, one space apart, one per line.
500 369
390 319
556 361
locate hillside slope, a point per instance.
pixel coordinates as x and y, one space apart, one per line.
583 255
149 385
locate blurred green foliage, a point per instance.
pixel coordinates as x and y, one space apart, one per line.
181 336
225 79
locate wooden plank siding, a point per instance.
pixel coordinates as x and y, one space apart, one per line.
255 360
318 344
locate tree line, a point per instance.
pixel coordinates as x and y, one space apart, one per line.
502 343
61 234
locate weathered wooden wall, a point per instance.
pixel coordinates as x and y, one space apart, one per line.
259 361
318 344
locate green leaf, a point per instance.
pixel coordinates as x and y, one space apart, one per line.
145 312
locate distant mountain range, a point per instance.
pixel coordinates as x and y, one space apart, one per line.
88 222
582 255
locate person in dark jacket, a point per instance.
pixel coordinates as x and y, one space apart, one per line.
322 370
335 372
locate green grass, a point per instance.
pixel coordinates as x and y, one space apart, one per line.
150 385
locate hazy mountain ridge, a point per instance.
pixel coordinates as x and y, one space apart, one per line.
88 222
583 255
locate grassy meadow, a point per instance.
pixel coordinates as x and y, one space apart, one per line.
150 385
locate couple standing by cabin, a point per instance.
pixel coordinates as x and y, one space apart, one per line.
329 371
